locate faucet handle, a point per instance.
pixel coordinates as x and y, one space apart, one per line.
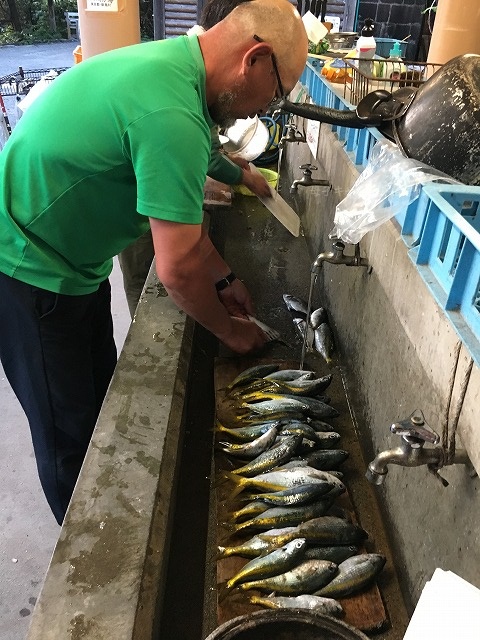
308 167
415 426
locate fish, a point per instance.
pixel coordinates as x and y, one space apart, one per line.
259 384
255 546
317 604
334 553
298 387
340 512
255 429
291 404
271 458
354 575
316 405
326 531
290 375
248 433
246 419
329 476
273 402
279 479
253 508
271 564
302 327
307 577
292 464
318 317
253 448
323 341
296 305
302 494
252 373
301 462
326 459
323 440
320 425
285 516
276 480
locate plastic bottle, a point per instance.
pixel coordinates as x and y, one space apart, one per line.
394 65
365 48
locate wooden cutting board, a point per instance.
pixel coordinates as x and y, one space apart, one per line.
365 610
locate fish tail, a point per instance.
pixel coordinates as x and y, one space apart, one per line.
262 602
230 526
223 590
239 481
247 497
222 552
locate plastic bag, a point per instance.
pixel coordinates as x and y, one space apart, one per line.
387 185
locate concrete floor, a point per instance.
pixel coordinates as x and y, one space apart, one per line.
28 531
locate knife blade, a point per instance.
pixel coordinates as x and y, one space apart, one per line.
280 209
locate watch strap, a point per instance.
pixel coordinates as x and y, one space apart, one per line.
225 282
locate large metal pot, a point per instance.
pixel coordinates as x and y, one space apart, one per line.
286 624
437 124
442 126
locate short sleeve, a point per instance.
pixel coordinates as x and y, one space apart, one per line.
170 151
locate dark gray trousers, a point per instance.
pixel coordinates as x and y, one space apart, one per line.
58 354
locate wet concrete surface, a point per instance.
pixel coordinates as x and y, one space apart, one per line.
271 262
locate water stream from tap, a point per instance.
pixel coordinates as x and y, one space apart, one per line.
313 279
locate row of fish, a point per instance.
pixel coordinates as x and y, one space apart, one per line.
314 325
304 549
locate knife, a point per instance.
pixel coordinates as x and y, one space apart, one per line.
280 209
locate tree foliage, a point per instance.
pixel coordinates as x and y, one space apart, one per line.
29 21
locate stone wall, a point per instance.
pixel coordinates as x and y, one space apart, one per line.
396 19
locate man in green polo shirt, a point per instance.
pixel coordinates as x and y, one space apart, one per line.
117 143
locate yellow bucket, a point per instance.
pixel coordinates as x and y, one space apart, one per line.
270 176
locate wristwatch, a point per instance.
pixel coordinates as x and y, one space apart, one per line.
225 282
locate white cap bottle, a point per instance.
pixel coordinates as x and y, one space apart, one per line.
365 48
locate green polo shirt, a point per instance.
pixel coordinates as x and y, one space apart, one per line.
116 139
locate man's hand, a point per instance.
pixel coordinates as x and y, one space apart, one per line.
254 181
241 162
244 336
236 300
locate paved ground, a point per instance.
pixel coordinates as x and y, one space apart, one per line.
28 531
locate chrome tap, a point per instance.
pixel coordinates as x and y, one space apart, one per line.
415 433
306 180
337 257
292 135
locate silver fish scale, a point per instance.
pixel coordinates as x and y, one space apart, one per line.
317 604
305 578
273 563
271 458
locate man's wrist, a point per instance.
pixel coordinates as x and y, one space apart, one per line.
225 282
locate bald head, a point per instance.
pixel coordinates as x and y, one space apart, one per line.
258 48
278 23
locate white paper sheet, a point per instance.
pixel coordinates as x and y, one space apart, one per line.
448 609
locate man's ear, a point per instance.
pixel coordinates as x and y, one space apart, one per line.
258 51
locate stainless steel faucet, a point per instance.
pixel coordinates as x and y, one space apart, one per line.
415 432
337 257
292 134
306 180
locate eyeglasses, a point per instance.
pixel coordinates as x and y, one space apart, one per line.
281 92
